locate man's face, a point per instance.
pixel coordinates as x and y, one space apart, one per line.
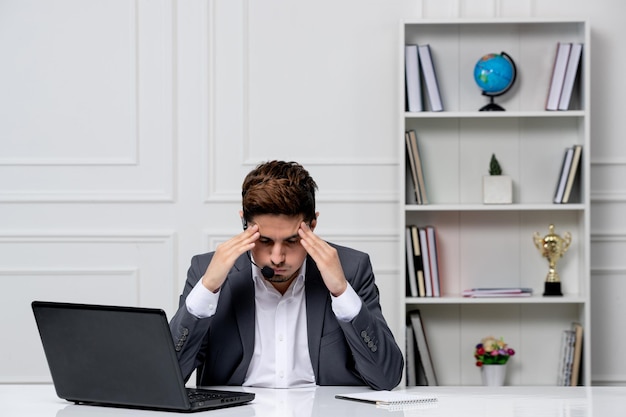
279 245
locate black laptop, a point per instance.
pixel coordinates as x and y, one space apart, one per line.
119 356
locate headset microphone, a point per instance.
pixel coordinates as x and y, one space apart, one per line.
266 271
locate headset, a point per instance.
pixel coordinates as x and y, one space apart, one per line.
266 271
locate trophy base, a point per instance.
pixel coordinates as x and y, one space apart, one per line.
552 289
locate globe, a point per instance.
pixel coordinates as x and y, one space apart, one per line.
494 74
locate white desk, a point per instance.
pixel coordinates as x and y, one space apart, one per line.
41 401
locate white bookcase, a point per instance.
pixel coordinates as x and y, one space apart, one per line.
492 245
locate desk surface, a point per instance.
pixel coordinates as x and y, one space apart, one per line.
41 401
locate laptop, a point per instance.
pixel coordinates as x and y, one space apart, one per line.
121 357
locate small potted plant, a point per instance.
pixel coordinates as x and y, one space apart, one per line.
497 188
491 356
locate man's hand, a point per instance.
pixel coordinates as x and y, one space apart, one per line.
225 256
326 258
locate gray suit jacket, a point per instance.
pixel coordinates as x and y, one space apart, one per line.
360 352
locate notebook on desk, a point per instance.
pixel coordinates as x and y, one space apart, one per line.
119 356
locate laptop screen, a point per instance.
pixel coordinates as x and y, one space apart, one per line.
122 356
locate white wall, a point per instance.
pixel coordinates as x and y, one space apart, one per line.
126 128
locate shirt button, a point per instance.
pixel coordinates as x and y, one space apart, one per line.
281 374
280 337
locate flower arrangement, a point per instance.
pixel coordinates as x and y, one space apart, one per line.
492 351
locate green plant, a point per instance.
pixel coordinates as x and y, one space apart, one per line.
492 351
494 166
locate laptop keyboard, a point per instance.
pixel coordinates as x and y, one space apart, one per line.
196 395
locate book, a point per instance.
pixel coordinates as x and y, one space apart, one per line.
410 264
413 80
419 262
566 356
562 180
498 292
411 368
389 398
434 260
577 329
558 75
428 287
422 347
410 155
420 186
564 371
411 191
572 173
414 369
430 78
571 73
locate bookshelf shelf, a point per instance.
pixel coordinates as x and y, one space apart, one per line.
480 245
494 115
494 207
535 299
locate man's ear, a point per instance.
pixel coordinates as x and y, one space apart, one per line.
244 223
314 222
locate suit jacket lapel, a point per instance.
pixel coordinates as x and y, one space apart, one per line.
241 296
316 296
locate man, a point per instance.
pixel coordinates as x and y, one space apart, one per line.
276 306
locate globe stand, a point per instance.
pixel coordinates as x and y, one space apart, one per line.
491 106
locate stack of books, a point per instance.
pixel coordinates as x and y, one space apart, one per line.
415 167
498 292
419 66
422 262
569 174
564 75
571 356
419 364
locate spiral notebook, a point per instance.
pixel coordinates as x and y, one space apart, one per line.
390 399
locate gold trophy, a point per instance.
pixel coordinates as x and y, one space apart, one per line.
552 247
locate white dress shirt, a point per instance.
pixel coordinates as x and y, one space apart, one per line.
281 349
281 352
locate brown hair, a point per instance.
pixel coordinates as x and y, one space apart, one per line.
279 187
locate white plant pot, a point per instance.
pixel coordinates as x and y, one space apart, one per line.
493 375
497 189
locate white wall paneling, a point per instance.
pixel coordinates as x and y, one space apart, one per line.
87 108
123 268
607 315
607 181
608 296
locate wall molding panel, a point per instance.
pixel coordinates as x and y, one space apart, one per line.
104 107
98 286
135 268
608 311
